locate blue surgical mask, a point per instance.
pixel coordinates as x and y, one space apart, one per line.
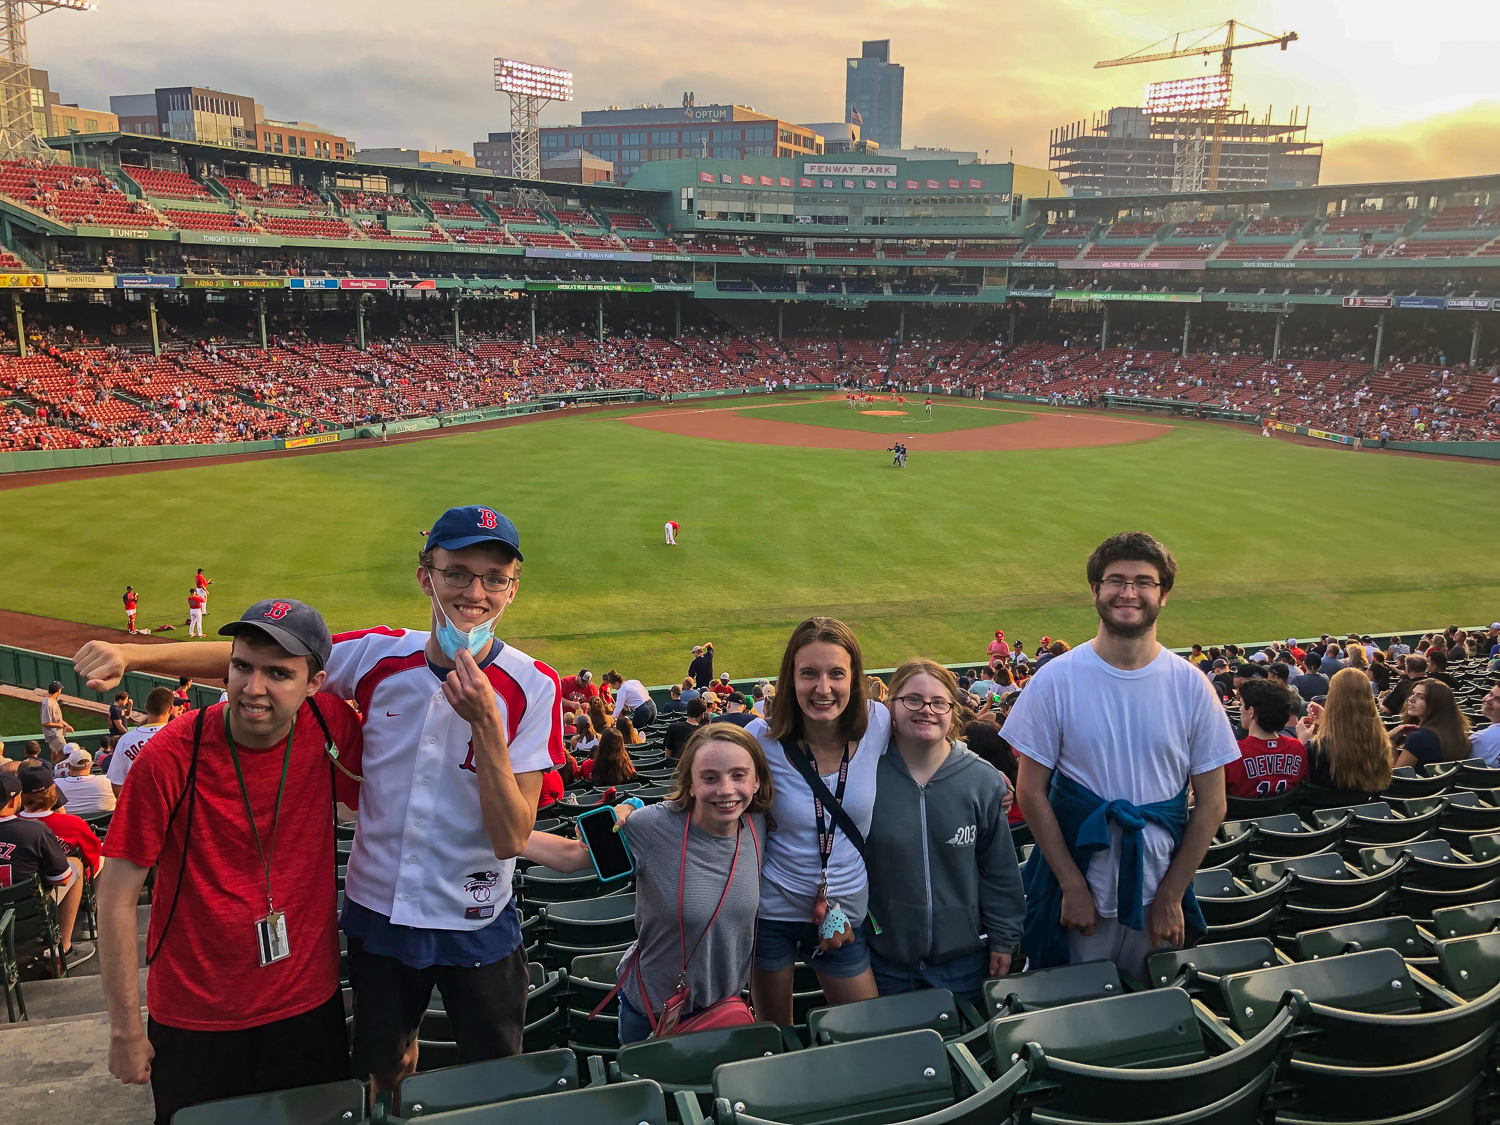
451 639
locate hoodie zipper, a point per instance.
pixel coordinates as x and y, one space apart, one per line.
926 871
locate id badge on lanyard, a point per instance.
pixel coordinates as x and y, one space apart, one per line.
270 930
270 938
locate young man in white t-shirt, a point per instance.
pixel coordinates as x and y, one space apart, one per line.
1119 719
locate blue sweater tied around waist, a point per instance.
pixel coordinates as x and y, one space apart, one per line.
1084 818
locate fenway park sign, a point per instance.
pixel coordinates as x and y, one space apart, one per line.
848 169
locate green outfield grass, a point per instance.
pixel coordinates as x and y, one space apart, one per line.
1272 539
946 416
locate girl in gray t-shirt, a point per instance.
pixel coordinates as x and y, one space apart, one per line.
717 808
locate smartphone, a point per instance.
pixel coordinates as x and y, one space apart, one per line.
607 848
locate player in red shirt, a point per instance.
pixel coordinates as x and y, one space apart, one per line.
130 601
243 994
201 584
197 599
1269 763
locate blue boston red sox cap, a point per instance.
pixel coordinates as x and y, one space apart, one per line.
458 528
295 626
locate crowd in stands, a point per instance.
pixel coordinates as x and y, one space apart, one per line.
213 384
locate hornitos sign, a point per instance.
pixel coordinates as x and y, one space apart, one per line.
80 281
848 169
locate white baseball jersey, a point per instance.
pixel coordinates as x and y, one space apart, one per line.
421 855
126 751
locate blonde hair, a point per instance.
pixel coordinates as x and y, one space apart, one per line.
1356 655
875 688
1351 734
913 668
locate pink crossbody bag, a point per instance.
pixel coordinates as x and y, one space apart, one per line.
732 1011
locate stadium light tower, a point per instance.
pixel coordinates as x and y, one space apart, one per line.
19 137
530 86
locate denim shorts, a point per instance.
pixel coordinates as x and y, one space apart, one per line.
962 976
778 945
634 1026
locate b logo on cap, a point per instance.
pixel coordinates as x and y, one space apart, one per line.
278 611
487 518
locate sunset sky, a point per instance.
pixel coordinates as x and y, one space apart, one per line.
1395 90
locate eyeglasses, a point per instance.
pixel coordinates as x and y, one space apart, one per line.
1115 582
461 579
916 703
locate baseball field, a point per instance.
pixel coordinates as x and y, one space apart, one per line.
787 507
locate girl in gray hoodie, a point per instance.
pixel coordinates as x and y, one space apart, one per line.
946 905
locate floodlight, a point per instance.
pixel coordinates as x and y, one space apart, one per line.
1188 95
531 80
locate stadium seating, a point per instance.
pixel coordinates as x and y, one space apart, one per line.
552 240
375 202
374 228
73 195
1435 247
452 208
631 220
161 184
1368 221
714 247
1246 251
207 220
482 236
1272 226
1134 230
652 246
1001 250
306 228
574 218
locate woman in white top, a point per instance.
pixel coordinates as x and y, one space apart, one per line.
814 891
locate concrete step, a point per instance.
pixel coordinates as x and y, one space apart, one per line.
59 1071
73 996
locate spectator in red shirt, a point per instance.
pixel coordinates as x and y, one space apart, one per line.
41 802
722 686
578 690
1269 763
243 995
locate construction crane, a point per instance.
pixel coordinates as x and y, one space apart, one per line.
1196 43
19 136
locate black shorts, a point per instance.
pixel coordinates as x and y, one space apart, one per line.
485 1005
191 1067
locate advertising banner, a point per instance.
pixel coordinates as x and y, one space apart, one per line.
766 181
1470 304
1342 439
364 283
953 185
425 283
227 238
784 181
589 286
1031 292
1367 302
932 184
803 181
705 177
747 180
1091 264
872 184
587 255
22 281
314 439
912 185
1420 303
312 283
848 183
976 184
91 281
1151 298
145 281
890 185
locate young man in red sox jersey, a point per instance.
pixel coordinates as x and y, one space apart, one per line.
1269 763
459 729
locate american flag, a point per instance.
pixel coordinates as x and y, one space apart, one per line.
854 115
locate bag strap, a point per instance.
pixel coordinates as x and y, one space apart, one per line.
189 791
809 773
329 746
682 881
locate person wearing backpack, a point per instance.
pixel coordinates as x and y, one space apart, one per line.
946 906
697 860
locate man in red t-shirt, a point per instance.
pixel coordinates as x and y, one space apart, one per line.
131 602
196 601
579 689
243 995
1269 763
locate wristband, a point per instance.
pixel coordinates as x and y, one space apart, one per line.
634 802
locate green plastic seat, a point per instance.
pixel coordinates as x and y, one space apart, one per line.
1228 851
1399 933
1138 1057
1422 903
543 884
1251 808
1457 1110
1285 835
1470 966
1323 880
1227 901
1434 865
34 917
585 926
1260 926
1246 1106
332 1103
933 1008
1469 811
1295 917
1472 773
1047 988
1462 921
687 1061
1209 962
495 1080
1377 823
1332 1091
1406 782
1369 1007
624 1103
891 1078
1001 1102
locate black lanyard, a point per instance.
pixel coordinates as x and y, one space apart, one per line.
826 831
286 761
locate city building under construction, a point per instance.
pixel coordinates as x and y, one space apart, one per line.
1130 150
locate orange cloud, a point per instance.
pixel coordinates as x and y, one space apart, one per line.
1460 143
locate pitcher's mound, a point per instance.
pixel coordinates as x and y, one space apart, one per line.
885 413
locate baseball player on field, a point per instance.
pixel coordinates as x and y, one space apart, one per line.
130 601
459 729
202 584
196 600
671 530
